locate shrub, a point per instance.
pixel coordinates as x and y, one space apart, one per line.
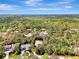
2 51
49 50
40 51
45 56
17 48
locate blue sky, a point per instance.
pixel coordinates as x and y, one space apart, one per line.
39 6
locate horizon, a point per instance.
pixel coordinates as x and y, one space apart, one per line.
40 14
37 7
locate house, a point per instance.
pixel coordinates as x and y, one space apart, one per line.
9 48
38 41
25 47
76 49
43 33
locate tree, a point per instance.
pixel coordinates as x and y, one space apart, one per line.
17 48
40 50
2 54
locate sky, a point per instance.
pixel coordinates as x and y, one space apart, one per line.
39 7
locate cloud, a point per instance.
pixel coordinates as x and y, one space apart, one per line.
46 9
67 0
63 4
6 7
68 6
58 5
33 2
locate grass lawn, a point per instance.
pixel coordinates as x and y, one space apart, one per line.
14 56
45 56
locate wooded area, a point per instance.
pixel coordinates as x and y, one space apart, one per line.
62 38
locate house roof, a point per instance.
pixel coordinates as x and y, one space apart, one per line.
39 38
7 46
26 46
43 33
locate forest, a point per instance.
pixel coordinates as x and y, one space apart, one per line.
62 34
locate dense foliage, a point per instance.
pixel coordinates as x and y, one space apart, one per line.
63 32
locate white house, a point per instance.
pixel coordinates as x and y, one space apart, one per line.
38 41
